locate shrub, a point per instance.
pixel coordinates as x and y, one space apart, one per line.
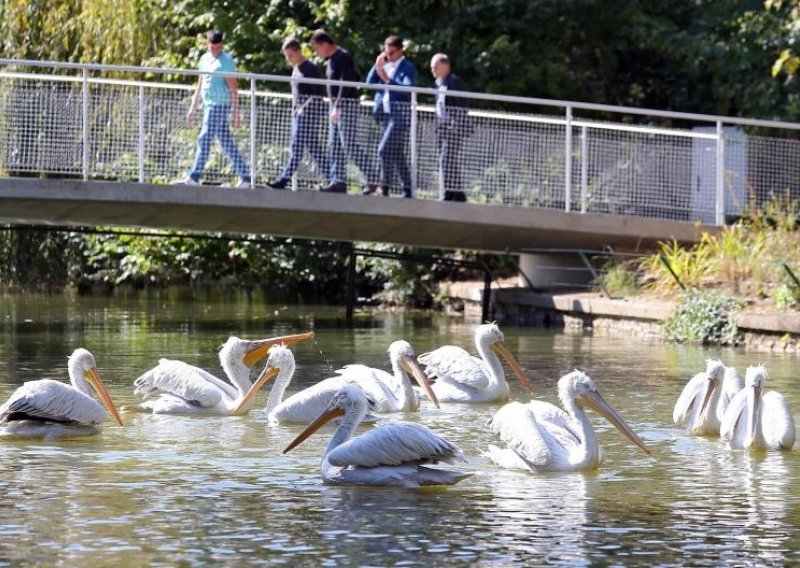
618 279
704 317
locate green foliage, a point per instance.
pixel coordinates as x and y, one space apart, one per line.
618 279
786 297
691 266
705 318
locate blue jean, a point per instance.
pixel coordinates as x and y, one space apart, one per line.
305 136
215 124
343 142
393 152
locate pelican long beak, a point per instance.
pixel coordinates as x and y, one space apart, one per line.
329 414
265 376
259 349
505 353
596 402
411 365
712 385
754 416
94 378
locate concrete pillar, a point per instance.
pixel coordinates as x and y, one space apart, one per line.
553 271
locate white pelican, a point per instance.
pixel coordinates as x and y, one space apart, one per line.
460 377
542 437
758 420
190 390
50 409
391 454
703 401
390 393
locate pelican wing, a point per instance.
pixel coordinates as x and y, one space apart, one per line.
377 385
777 422
394 444
184 381
453 364
52 401
309 403
689 400
732 427
555 421
517 426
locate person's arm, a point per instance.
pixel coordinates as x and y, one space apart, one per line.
372 76
195 99
408 79
233 85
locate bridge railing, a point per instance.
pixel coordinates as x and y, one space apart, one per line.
105 122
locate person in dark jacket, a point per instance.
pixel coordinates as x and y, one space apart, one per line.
392 110
452 126
307 114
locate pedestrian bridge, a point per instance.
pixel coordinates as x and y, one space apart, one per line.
97 145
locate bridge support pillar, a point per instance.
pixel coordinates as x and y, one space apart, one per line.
553 271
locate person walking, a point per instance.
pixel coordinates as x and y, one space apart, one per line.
343 115
392 110
307 114
220 98
451 128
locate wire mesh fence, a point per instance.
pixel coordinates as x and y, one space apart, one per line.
496 153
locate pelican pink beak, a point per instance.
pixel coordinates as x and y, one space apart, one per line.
596 402
94 378
712 385
259 349
504 352
754 416
330 413
411 365
265 376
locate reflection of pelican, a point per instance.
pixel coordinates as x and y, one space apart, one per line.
190 390
460 377
392 454
543 437
702 402
758 420
51 409
390 393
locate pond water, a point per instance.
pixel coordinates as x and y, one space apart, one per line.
166 491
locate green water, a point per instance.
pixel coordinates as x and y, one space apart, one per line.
167 491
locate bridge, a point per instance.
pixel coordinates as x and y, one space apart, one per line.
96 145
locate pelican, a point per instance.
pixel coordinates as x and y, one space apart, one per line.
460 377
50 409
702 403
190 390
542 437
392 454
758 420
390 393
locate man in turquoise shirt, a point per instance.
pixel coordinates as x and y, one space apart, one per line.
220 98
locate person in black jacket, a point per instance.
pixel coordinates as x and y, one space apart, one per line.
451 128
307 113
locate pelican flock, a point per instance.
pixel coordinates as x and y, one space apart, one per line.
51 409
396 453
757 419
542 437
461 377
185 389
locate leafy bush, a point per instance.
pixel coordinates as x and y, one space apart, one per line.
704 317
618 279
786 297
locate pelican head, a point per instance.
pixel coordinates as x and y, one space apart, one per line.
489 334
280 357
579 388
715 371
754 380
402 352
251 352
350 400
83 369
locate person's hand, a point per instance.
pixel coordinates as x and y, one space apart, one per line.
236 120
335 118
300 111
190 114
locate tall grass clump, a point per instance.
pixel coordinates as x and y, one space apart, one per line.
704 318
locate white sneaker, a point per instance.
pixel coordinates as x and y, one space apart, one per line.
242 183
185 181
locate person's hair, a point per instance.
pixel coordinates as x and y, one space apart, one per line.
439 58
214 36
394 41
321 36
291 43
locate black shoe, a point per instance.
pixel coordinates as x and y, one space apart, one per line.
334 188
370 189
278 183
